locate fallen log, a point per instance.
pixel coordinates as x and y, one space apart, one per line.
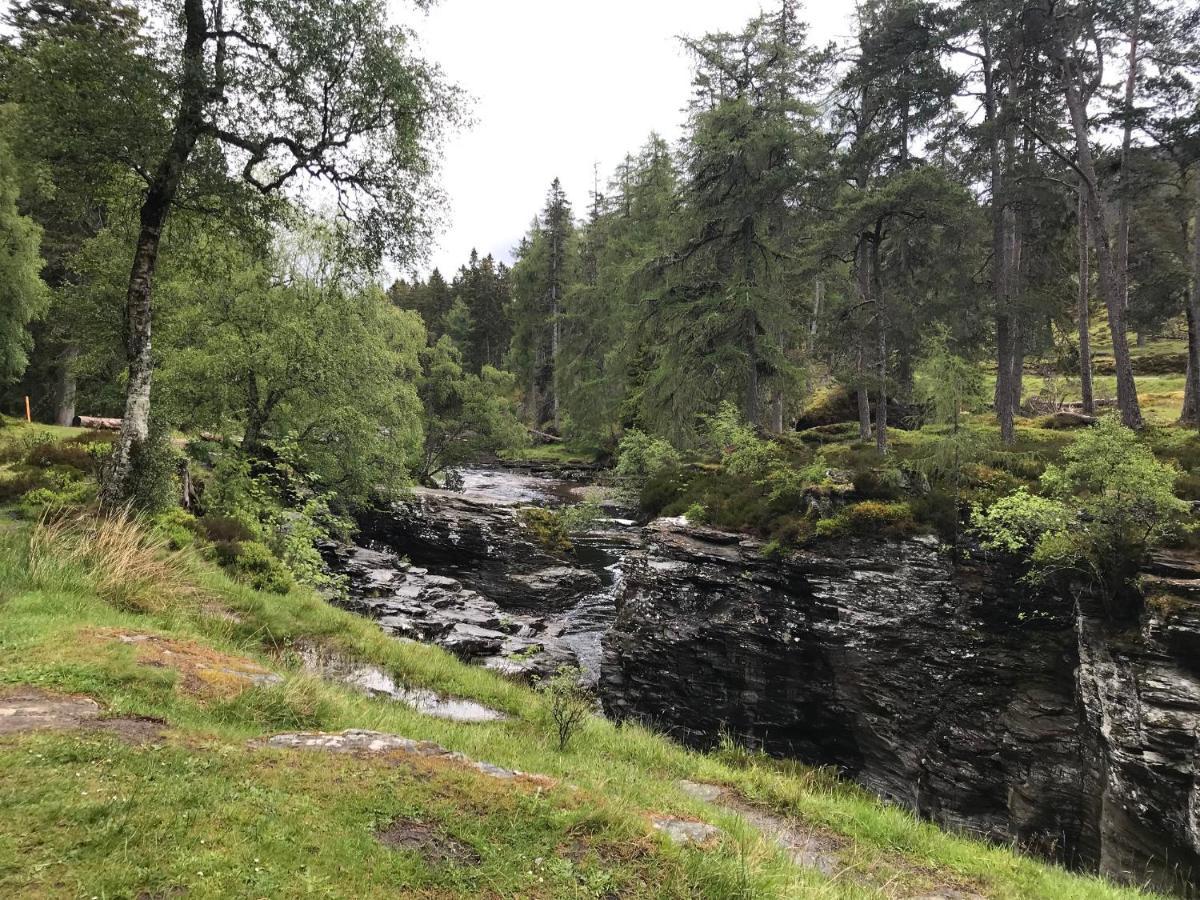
553 438
97 423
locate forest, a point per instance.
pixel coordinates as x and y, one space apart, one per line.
810 512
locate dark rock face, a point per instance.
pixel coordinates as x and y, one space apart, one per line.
957 691
410 602
485 544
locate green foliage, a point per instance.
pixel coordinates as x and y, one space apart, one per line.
22 294
153 485
255 564
870 518
553 528
279 505
1103 508
467 416
287 345
571 704
178 527
743 453
642 459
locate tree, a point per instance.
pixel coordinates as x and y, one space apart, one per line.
950 385
292 346
22 294
282 89
722 305
466 415
541 275
1063 29
76 68
606 346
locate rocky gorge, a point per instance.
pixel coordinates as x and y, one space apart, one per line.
948 686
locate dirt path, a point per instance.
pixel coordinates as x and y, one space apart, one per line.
816 848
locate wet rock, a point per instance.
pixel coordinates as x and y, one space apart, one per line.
375 743
470 641
956 690
418 605
484 543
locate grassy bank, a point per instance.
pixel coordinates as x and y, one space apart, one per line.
202 811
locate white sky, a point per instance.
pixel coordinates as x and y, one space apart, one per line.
560 85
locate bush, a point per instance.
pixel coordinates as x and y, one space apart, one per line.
73 456
642 458
154 473
178 527
870 518
256 565
225 529
570 703
879 484
13 487
64 494
1101 510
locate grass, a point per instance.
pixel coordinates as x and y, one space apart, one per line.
208 814
555 453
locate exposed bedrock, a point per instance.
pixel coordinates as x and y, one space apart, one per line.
484 544
955 690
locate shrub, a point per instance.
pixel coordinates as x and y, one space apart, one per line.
642 458
154 473
225 529
61 494
13 487
696 514
256 565
570 703
71 455
1103 508
868 519
879 484
178 527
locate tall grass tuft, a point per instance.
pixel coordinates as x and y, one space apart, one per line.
128 567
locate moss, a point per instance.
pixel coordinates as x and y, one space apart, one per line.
871 518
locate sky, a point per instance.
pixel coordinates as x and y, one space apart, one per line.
559 86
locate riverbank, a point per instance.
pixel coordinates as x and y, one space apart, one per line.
150 768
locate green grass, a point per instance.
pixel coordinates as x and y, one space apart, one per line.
555 453
207 814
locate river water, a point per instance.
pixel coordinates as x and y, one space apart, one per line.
570 624
582 625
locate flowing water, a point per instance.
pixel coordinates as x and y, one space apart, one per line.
571 623
581 625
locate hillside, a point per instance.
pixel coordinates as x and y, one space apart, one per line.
140 688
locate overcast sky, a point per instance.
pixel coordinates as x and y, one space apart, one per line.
558 86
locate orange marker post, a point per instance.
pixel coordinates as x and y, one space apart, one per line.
28 415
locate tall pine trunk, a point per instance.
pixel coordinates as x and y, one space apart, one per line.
1124 201
1085 334
1193 377
1101 235
862 266
881 402
67 388
1000 304
156 207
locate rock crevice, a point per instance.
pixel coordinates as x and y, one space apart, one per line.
956 690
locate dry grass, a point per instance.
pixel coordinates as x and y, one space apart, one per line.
129 568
